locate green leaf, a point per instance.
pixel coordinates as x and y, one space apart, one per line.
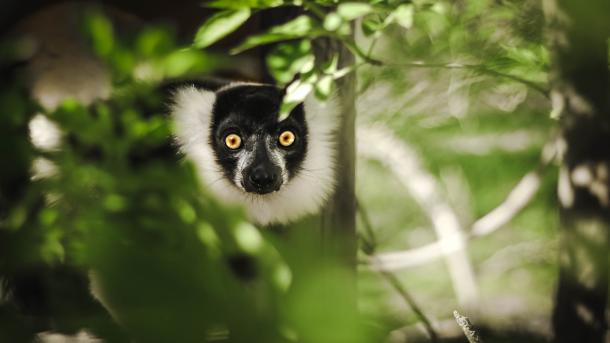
342 72
287 60
155 41
372 25
331 66
248 238
241 4
308 66
101 33
296 94
353 10
332 21
298 90
324 87
220 25
403 16
302 26
183 62
114 203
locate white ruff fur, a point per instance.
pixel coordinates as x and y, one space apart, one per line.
305 193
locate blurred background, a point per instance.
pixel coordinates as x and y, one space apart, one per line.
458 126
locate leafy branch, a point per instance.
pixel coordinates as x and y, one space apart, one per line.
325 21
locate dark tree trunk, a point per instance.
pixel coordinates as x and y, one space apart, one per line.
321 249
581 93
338 226
330 237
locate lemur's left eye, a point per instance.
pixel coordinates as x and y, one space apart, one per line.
233 141
286 138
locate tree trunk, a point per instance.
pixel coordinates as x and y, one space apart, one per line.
330 237
338 226
580 96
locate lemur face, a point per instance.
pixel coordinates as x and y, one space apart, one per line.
278 171
256 152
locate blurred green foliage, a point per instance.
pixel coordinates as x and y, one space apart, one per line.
120 206
123 206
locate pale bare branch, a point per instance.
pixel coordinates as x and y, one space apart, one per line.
514 203
381 144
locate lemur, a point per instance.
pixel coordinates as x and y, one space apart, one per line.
279 170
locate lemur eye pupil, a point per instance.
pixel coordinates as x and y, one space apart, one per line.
287 138
233 141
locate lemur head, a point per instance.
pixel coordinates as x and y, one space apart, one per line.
279 170
258 153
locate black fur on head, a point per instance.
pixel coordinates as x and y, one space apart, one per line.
261 164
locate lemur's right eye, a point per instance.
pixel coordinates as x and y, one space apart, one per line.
286 138
233 141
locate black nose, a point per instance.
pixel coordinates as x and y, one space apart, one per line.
263 179
261 176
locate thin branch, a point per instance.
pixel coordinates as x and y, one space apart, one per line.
531 84
356 50
469 331
476 67
372 46
394 282
314 8
370 242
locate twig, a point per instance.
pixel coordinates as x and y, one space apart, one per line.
370 242
469 331
372 47
476 67
394 282
314 8
355 49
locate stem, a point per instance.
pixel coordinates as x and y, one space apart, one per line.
370 242
372 47
315 9
394 282
355 49
477 67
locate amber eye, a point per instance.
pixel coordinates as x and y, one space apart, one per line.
233 141
286 138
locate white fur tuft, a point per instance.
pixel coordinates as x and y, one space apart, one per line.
302 195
